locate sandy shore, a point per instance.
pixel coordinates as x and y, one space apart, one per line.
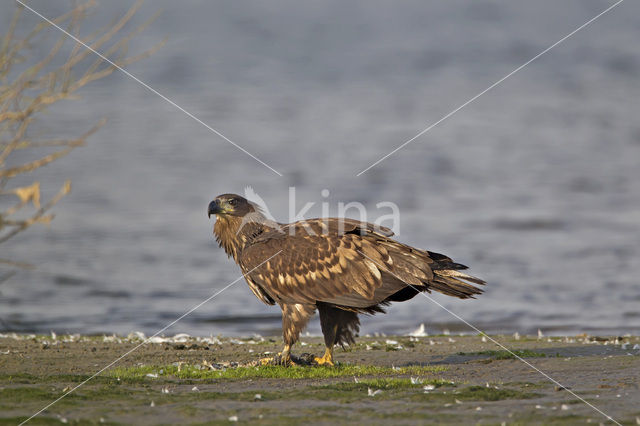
400 380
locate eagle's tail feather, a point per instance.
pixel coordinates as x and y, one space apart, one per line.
459 275
453 283
444 275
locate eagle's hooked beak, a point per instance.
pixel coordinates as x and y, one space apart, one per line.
214 208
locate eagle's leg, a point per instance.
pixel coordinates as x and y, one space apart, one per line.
285 356
338 327
294 320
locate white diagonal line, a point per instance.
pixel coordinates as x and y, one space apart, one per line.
495 341
146 86
492 86
151 337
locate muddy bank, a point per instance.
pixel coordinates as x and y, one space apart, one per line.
404 380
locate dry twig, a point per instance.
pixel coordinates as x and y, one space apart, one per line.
26 90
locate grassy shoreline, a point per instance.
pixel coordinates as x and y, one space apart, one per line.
405 380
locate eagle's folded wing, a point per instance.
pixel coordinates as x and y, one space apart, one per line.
316 262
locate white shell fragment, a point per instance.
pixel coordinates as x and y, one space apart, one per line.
373 392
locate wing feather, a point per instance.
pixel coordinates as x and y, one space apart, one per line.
316 266
353 265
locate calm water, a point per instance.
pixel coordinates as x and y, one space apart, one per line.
536 185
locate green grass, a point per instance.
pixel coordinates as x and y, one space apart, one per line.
350 391
384 384
560 420
40 420
122 396
403 389
266 372
523 353
482 393
475 393
26 378
34 395
23 394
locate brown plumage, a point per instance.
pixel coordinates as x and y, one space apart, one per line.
341 267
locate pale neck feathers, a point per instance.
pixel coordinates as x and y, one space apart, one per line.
234 233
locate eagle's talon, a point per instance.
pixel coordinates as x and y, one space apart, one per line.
322 361
327 359
279 359
284 361
266 361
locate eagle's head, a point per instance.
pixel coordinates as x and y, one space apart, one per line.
230 205
239 221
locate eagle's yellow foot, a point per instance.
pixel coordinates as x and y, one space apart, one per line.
327 358
276 360
265 361
283 358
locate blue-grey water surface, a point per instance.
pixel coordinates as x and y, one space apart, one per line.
535 185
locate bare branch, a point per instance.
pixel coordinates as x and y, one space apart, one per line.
38 86
38 215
